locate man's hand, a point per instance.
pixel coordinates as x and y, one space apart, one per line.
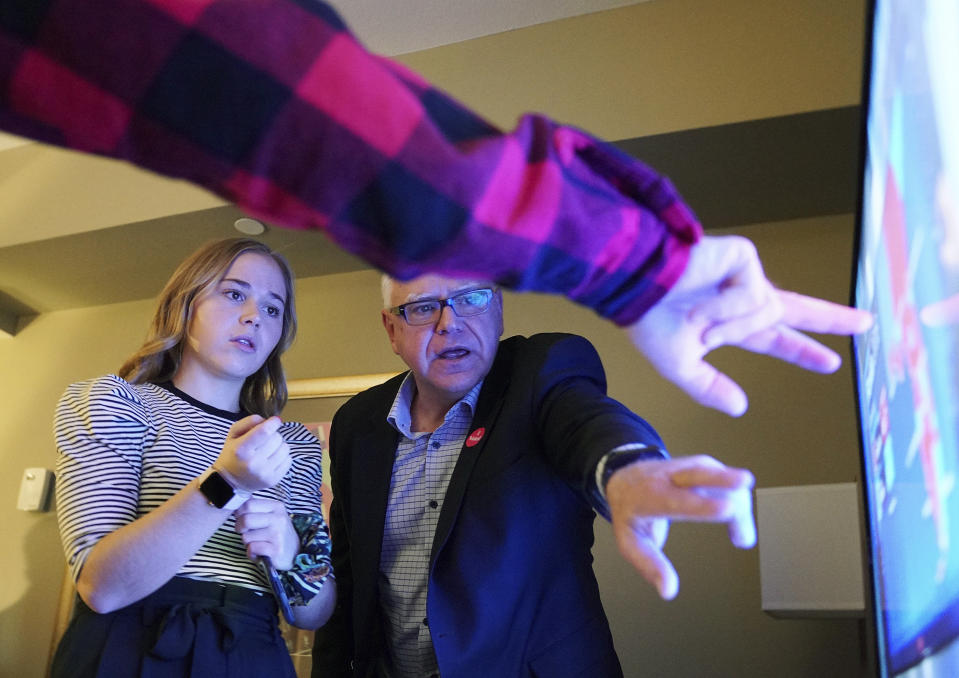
724 298
645 495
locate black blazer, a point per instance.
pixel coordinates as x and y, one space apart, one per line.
511 585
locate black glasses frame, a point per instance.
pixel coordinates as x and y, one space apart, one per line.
448 301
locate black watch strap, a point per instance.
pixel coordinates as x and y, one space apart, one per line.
617 459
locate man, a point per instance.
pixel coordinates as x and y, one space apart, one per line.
337 139
464 495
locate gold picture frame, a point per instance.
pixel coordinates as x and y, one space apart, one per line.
333 387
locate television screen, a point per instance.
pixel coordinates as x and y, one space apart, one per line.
907 365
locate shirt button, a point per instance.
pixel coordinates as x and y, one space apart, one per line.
435 444
433 503
426 621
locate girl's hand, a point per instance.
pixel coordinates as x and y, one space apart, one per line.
254 456
266 530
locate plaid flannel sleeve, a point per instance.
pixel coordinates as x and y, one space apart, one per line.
275 106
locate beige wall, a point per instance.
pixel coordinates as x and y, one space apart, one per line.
660 66
49 352
800 429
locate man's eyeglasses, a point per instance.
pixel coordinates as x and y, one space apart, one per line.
428 311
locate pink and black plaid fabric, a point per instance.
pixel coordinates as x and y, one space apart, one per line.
273 105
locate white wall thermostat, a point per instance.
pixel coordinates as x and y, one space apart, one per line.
35 489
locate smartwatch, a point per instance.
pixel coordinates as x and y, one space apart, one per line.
219 492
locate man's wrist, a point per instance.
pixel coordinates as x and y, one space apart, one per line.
616 459
623 456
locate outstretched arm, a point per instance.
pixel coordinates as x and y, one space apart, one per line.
339 140
275 106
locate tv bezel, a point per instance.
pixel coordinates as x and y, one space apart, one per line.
878 655
876 651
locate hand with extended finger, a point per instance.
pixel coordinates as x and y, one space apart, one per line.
645 495
266 530
724 298
254 456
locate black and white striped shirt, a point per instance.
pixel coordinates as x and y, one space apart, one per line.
124 449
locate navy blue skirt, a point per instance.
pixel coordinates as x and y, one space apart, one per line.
185 629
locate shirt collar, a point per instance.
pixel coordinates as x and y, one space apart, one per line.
399 416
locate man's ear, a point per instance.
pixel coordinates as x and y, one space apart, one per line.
387 319
499 301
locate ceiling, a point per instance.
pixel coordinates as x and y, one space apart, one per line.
55 256
400 26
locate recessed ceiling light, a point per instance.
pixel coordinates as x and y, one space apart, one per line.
249 226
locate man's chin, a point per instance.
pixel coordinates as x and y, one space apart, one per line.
456 382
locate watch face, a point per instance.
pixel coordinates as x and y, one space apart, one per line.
217 490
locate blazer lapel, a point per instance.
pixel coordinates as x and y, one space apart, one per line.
371 470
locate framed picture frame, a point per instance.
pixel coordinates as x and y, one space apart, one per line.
313 403
332 387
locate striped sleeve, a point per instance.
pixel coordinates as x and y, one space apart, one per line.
100 428
301 485
304 499
275 106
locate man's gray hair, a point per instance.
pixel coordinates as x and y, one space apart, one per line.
386 287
